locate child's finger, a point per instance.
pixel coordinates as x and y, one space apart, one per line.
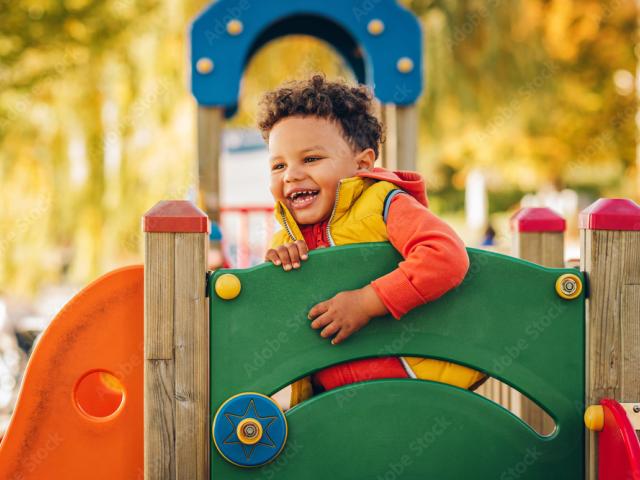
342 335
283 255
272 256
330 330
303 249
293 254
322 321
318 309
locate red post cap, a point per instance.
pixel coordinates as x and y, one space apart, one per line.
175 216
611 214
537 219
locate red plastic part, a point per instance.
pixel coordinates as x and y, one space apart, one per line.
618 446
611 214
537 219
175 216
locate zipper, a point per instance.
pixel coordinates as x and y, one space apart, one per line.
333 212
286 224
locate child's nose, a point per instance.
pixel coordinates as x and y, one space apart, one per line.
293 173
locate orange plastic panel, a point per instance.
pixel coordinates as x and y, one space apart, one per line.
80 410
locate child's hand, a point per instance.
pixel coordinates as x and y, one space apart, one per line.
346 313
288 255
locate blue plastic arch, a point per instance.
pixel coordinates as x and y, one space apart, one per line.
341 23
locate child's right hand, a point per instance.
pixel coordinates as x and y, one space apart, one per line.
288 255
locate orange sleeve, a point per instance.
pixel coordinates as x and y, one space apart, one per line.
435 258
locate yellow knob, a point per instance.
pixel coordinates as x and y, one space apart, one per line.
569 286
234 27
375 27
594 418
249 431
204 65
405 65
228 286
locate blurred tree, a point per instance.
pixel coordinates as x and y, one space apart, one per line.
97 124
533 91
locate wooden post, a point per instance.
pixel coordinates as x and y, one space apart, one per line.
610 256
538 236
407 137
210 126
176 345
389 150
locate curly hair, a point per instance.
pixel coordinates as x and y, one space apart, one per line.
351 106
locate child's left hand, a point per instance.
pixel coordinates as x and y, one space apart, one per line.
346 313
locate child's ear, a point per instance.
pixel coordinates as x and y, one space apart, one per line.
366 159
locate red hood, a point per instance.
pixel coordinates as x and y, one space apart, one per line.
410 182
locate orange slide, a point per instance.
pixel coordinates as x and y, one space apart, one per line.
80 410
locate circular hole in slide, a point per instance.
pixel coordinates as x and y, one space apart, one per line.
99 394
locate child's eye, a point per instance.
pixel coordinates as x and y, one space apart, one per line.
311 159
277 166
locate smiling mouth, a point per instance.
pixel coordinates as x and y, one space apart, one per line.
303 198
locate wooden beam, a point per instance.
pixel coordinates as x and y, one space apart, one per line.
210 126
610 256
407 137
176 370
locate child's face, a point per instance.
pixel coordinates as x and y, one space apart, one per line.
309 156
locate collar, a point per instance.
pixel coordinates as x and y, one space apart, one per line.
348 191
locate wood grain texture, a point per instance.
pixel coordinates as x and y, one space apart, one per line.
389 149
407 137
612 262
158 297
159 433
210 126
191 358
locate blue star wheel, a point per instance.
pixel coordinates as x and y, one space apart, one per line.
249 430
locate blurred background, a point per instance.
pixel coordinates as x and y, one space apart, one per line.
526 103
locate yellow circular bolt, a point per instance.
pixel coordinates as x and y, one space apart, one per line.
405 65
375 27
204 65
234 27
228 286
249 431
569 286
594 418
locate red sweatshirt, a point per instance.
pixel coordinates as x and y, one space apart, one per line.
435 261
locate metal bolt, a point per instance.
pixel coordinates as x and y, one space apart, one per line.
569 286
636 408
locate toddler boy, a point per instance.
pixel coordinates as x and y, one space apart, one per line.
323 140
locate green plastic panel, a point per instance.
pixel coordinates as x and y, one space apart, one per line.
505 319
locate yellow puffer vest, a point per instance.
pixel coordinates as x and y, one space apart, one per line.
357 217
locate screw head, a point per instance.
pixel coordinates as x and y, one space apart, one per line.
405 65
568 286
235 27
228 286
375 27
204 65
636 408
249 431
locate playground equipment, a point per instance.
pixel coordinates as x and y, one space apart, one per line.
209 372
214 348
380 40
